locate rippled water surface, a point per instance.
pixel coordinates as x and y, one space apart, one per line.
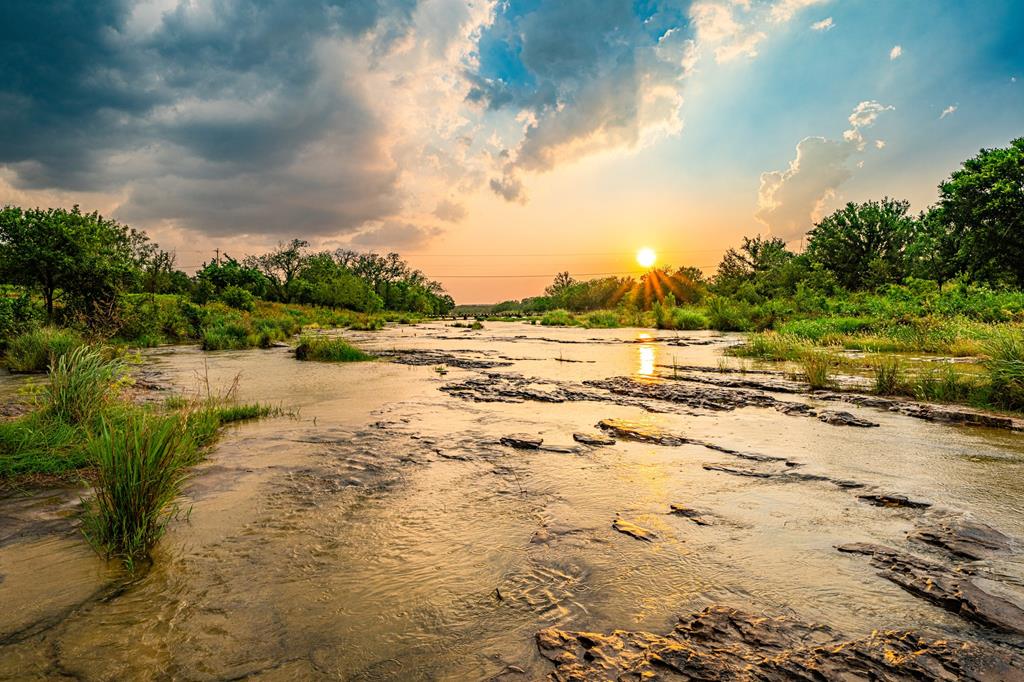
384 533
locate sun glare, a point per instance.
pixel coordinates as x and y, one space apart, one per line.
646 257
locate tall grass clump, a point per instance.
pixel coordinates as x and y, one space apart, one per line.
35 350
889 376
601 319
1004 366
816 370
329 349
688 319
729 316
945 385
81 384
141 467
772 346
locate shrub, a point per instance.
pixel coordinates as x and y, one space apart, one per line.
141 468
558 318
329 349
729 316
601 319
688 319
36 350
238 298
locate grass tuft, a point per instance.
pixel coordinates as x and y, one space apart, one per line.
36 350
329 349
1004 365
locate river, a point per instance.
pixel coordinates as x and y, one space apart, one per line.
382 531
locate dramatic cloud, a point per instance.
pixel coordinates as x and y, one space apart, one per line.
718 27
225 118
947 111
896 52
823 25
790 200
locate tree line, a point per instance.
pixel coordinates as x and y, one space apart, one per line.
973 234
80 264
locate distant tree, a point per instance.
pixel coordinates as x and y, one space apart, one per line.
228 272
281 266
558 288
754 269
983 203
83 259
864 245
934 251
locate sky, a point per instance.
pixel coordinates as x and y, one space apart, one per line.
495 143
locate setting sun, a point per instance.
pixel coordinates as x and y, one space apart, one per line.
646 257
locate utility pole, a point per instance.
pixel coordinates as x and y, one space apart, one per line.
217 251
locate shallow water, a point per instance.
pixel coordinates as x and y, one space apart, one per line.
383 533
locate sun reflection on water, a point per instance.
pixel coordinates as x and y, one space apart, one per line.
646 360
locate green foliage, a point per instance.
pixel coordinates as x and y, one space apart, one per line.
863 245
729 315
558 318
982 206
816 369
141 468
36 350
772 346
81 384
689 319
944 385
238 298
82 259
890 376
601 319
329 349
1004 365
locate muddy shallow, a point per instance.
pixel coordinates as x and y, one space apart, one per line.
387 533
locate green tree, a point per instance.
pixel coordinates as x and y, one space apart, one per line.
983 203
82 259
281 266
864 245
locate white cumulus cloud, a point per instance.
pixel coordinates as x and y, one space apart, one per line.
896 52
825 24
790 200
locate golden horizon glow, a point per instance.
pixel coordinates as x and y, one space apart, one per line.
646 257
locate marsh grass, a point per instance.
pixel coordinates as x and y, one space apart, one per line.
558 318
1004 366
36 350
816 370
81 384
772 346
890 377
142 464
329 349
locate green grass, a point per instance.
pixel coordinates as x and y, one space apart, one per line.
1004 366
142 464
816 370
772 346
601 319
558 318
329 349
82 383
890 377
34 350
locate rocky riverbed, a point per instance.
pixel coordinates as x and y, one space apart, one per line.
520 503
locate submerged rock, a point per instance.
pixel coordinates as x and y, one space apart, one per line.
423 357
522 441
964 538
596 439
840 418
638 431
699 517
951 589
721 643
633 530
893 500
736 471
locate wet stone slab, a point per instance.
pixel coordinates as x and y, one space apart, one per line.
721 643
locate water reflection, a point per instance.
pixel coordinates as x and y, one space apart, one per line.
646 360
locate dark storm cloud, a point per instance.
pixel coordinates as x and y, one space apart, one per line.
593 74
201 112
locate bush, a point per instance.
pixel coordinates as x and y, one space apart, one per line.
729 316
36 350
558 318
328 349
601 319
238 298
141 468
688 319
